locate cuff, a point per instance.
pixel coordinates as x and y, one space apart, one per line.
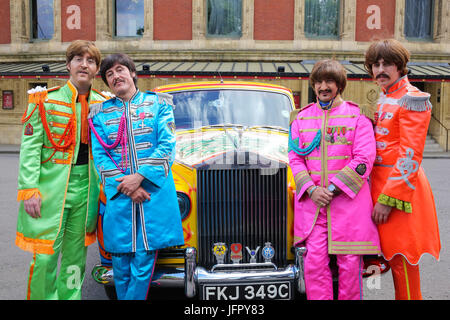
302 182
26 194
348 181
396 203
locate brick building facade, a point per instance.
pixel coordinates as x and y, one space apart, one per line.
274 41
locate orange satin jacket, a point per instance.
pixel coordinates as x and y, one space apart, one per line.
398 179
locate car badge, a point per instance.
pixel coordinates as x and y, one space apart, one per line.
268 252
252 254
219 251
236 252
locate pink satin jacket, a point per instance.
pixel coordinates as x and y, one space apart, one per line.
345 158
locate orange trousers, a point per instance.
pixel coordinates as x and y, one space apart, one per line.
406 279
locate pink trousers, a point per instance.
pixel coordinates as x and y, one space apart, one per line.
318 276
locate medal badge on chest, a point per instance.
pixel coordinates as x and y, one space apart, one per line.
329 135
332 139
142 117
341 134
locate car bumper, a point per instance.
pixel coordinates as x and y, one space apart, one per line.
193 277
196 277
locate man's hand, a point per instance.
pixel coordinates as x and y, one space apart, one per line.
32 206
380 213
129 184
140 195
321 196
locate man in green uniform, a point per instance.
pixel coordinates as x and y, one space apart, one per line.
58 185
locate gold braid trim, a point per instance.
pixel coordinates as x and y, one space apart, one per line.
396 203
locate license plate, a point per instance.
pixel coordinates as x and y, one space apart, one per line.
248 291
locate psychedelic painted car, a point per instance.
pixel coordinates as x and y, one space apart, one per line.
235 192
235 186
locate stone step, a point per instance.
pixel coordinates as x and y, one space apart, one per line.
431 145
433 149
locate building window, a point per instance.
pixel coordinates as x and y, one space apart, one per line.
322 18
224 18
42 26
419 19
129 17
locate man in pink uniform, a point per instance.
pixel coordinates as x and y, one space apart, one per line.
331 153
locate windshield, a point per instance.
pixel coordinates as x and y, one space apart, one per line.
196 109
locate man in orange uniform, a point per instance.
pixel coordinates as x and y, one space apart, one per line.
404 207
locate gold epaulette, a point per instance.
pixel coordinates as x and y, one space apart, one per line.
365 110
39 93
294 113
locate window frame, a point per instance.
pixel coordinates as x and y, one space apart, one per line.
324 37
37 39
114 23
222 36
430 37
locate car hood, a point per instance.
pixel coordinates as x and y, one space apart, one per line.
196 147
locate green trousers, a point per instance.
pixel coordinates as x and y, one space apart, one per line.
45 283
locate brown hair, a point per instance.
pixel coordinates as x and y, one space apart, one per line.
80 47
329 69
117 58
391 51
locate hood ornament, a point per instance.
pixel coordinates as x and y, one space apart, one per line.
236 252
252 254
268 252
219 250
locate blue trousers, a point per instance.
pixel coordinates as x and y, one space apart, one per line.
133 273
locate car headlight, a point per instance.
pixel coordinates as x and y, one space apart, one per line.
184 203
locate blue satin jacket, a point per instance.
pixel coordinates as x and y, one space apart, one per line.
150 136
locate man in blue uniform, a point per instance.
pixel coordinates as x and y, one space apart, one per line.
133 143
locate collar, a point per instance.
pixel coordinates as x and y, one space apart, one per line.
72 92
132 97
336 101
400 83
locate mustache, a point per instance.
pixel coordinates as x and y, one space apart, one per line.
116 81
325 91
382 75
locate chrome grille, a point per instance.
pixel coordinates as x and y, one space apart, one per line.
242 205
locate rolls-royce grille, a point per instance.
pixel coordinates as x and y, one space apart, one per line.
243 205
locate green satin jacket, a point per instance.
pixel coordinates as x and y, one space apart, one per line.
49 148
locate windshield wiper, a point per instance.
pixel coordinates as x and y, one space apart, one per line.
225 125
268 127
